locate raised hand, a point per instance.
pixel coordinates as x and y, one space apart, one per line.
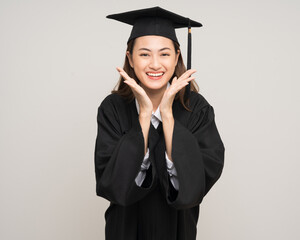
144 101
169 95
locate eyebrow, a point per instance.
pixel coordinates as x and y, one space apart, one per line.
146 49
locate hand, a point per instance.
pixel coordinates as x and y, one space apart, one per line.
144 101
169 95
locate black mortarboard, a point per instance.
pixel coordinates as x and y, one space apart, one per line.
157 21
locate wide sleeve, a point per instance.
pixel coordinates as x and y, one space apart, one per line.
198 156
118 158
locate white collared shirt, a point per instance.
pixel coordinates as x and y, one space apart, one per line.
155 118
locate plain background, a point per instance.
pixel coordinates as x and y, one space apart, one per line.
57 64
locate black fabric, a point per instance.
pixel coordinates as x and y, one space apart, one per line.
154 21
131 17
155 210
148 179
172 194
153 26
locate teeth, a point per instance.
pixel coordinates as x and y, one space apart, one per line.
155 74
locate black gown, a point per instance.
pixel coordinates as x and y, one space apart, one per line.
155 210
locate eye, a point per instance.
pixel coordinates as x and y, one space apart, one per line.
165 54
144 54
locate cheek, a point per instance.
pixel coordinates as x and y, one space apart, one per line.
170 64
139 63
139 66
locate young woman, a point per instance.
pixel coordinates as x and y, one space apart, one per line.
157 155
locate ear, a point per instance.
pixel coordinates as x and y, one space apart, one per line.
129 58
177 56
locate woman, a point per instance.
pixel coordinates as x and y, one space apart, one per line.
156 155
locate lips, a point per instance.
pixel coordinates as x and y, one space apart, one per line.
155 75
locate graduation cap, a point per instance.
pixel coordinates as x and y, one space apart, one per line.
160 22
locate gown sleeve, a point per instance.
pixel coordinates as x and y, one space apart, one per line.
198 156
118 157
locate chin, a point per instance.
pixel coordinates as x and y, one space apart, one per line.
155 86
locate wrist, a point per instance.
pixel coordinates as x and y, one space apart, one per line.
145 115
167 116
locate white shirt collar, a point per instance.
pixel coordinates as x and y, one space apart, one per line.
156 113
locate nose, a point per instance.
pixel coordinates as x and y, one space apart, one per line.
154 63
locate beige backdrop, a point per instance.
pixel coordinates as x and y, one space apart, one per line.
57 63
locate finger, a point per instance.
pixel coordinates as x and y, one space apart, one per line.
188 73
126 77
123 73
184 83
133 85
120 69
191 78
186 78
129 83
191 71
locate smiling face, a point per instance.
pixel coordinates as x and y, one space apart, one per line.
154 60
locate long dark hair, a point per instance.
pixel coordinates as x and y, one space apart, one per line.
125 91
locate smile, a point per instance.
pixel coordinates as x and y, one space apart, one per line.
153 75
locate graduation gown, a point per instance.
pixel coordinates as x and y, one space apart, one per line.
155 210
